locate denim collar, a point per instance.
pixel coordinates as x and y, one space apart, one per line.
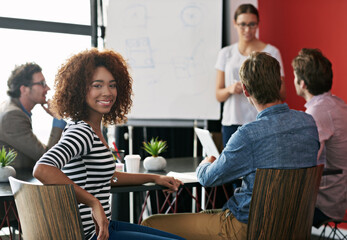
25 111
278 108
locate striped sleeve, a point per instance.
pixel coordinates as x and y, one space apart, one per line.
77 140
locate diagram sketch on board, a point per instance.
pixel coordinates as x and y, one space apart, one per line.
171 48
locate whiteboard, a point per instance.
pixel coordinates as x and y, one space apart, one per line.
171 47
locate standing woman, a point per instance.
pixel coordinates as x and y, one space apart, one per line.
237 110
94 87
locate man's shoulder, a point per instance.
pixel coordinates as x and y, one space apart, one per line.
280 120
326 103
299 113
10 104
301 116
10 108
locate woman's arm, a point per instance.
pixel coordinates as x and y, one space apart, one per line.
44 173
223 93
52 175
124 178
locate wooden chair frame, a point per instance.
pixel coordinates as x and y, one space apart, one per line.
47 211
283 201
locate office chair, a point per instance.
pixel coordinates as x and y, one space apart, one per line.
283 202
47 211
335 232
9 217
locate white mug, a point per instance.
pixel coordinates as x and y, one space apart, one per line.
132 163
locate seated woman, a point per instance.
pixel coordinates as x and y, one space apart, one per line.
94 87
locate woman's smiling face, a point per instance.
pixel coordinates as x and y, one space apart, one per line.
102 92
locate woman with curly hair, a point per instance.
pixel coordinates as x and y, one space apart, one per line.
94 87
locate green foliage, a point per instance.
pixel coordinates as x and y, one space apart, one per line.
7 157
155 147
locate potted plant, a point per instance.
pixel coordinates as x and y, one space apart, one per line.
154 148
6 158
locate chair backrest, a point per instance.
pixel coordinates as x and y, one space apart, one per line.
47 211
283 202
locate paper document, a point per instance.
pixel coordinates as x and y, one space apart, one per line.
185 177
207 142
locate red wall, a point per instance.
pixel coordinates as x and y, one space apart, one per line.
294 24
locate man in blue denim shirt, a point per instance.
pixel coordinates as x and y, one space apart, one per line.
279 138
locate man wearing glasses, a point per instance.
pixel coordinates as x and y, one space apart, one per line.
26 88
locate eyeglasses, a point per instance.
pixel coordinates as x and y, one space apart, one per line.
42 83
251 25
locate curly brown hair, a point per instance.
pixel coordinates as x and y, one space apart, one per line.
73 80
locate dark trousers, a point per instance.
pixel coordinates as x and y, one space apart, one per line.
227 131
319 218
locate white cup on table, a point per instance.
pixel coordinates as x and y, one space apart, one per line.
132 163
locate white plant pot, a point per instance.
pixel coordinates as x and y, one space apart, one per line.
6 172
154 163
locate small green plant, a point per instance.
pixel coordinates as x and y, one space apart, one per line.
7 157
155 147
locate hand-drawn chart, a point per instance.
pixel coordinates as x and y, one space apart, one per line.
191 15
171 47
139 53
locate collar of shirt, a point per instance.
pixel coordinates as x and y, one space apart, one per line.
25 111
273 110
316 98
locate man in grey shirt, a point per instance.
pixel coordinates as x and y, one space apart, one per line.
26 88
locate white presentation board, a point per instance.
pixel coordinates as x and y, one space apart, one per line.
171 47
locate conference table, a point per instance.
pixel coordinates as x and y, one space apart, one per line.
181 168
177 165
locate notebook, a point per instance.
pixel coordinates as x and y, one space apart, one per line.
186 177
207 142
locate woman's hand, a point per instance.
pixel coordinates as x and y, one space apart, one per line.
235 88
125 178
100 220
47 107
170 182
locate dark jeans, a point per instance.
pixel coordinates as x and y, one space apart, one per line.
227 131
123 230
319 218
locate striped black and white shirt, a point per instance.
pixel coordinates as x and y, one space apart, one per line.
82 156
